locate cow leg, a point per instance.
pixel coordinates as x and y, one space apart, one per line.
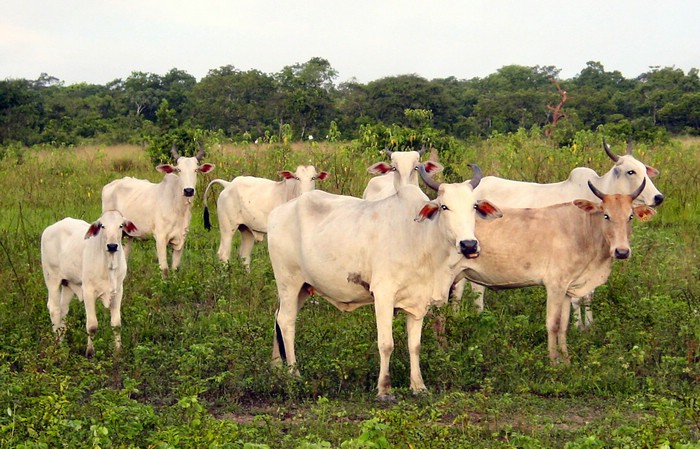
89 300
479 300
178 249
456 293
246 248
115 307
291 300
384 311
227 230
414 327
558 310
584 320
162 252
55 306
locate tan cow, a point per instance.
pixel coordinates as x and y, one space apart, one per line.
246 202
568 248
402 252
86 260
624 177
163 210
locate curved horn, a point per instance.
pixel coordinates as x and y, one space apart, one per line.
476 177
200 153
388 152
629 146
595 191
609 152
430 182
422 150
637 192
174 152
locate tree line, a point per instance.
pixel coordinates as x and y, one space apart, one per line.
303 101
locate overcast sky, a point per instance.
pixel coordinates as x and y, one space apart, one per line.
98 41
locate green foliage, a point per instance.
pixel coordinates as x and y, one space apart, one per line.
194 371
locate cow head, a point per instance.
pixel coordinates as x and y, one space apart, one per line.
628 173
186 168
405 165
457 206
616 212
306 175
110 227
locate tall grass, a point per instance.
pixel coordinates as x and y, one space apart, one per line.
195 368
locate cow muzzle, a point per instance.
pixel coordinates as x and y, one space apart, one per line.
469 248
112 247
658 199
622 253
188 192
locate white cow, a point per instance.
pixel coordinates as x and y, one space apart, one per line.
86 260
246 202
404 167
163 210
624 177
402 252
568 248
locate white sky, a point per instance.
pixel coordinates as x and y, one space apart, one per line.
98 41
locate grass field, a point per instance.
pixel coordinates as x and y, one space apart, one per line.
195 371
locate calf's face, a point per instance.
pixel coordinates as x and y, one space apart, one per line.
110 228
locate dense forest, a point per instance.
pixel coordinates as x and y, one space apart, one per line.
303 101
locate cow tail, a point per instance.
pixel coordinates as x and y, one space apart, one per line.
280 341
207 222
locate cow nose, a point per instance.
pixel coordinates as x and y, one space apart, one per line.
469 248
658 199
189 191
622 253
112 247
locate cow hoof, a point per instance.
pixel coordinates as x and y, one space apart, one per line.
387 397
90 353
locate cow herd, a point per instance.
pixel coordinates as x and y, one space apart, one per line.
394 248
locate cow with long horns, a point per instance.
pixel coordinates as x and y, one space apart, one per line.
163 209
624 177
567 248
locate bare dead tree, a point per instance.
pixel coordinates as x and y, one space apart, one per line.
556 110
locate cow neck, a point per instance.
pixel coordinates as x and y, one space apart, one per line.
291 189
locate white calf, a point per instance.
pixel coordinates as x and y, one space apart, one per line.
86 260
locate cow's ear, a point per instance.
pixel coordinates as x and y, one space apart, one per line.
652 172
379 168
432 167
323 175
166 168
428 211
129 227
93 230
644 212
487 210
588 206
286 174
206 168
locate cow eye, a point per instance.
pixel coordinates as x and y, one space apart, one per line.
631 217
393 168
443 207
606 217
297 178
631 172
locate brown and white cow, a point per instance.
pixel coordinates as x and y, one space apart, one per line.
246 202
163 210
403 170
624 177
86 260
402 252
568 248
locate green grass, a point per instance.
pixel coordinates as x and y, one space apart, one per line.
195 369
